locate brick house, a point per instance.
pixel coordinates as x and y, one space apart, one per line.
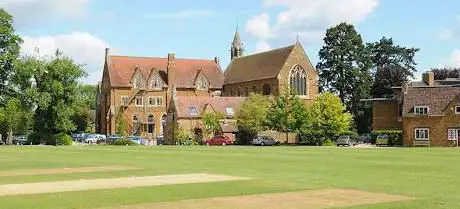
140 90
186 113
271 72
427 112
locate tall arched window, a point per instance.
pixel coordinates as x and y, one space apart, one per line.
298 81
156 83
136 125
138 81
267 90
151 124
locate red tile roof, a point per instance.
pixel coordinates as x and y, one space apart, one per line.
183 104
436 98
258 66
121 69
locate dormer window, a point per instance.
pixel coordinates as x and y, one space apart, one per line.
157 84
421 110
457 110
192 111
202 83
229 111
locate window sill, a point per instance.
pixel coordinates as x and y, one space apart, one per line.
422 139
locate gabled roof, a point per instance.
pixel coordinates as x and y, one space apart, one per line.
121 68
259 66
436 98
218 104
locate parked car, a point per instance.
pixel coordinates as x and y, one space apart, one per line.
346 141
113 137
137 139
94 138
78 137
20 139
365 138
382 140
160 140
1 142
263 140
219 140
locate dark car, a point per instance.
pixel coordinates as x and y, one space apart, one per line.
263 140
365 138
219 140
160 140
79 137
346 141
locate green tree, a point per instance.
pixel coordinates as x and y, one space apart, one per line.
344 68
9 51
87 94
14 118
121 125
210 122
252 114
394 66
287 114
445 72
327 118
51 86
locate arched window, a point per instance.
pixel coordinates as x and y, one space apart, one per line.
202 83
163 124
151 124
267 89
298 81
138 81
157 84
136 125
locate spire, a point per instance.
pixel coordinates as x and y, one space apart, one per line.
237 45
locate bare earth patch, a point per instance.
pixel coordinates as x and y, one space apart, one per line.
126 182
312 199
30 172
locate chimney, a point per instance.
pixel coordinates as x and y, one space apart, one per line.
170 68
428 78
217 60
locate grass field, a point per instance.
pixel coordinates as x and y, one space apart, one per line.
431 176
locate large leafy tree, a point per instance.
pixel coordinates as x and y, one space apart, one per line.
51 85
210 122
252 114
344 68
287 114
443 73
14 118
327 118
9 51
394 66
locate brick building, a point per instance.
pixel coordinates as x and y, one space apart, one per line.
158 95
271 72
140 90
427 112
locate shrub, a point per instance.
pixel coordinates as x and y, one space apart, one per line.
394 137
34 138
63 139
124 142
329 143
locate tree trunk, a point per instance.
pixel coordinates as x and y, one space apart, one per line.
9 139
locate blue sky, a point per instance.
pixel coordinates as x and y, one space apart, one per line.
204 28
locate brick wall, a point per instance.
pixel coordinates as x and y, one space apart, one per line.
385 115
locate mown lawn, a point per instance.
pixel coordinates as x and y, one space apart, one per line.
432 175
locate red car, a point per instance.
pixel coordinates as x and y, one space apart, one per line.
219 140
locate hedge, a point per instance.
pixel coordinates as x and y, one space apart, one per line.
63 139
394 137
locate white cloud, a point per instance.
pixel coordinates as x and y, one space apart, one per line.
308 18
30 12
455 58
259 26
262 46
184 14
446 34
83 47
